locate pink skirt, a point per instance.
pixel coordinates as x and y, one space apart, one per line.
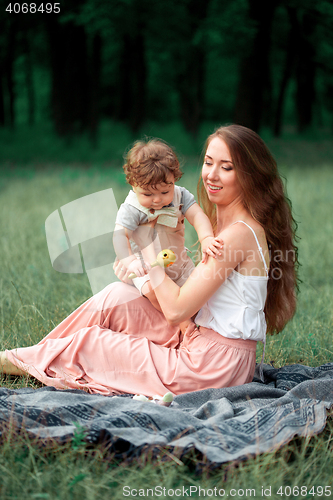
117 342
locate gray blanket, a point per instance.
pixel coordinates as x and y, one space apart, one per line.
223 424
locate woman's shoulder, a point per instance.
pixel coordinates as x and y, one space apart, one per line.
242 226
244 233
247 237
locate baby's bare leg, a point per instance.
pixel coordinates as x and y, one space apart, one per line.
7 367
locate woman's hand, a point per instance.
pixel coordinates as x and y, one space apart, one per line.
211 247
121 272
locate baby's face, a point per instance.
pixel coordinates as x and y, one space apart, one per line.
157 197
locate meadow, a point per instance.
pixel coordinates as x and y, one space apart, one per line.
34 298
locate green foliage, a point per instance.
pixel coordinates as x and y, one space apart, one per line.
142 60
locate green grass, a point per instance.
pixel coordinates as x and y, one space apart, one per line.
66 473
34 298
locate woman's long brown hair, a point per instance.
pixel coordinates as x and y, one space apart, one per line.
265 199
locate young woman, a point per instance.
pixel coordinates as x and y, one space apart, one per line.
118 342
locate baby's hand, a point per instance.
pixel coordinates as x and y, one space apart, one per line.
137 268
211 247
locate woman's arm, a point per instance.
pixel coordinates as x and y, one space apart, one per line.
179 304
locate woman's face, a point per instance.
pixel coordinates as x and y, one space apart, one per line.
219 175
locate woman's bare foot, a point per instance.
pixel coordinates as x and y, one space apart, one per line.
7 367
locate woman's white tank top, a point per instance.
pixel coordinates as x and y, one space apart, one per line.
236 310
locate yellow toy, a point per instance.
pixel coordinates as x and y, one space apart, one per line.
165 258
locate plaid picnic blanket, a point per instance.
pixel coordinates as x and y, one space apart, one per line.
223 424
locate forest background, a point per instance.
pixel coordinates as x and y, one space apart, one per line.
134 63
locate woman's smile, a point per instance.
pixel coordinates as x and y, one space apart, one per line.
211 188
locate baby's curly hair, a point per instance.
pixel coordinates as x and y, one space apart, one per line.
149 163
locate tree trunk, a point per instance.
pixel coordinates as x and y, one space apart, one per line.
139 83
70 95
9 76
305 74
132 85
2 101
124 97
190 81
291 51
95 86
254 67
29 79
191 90
131 93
